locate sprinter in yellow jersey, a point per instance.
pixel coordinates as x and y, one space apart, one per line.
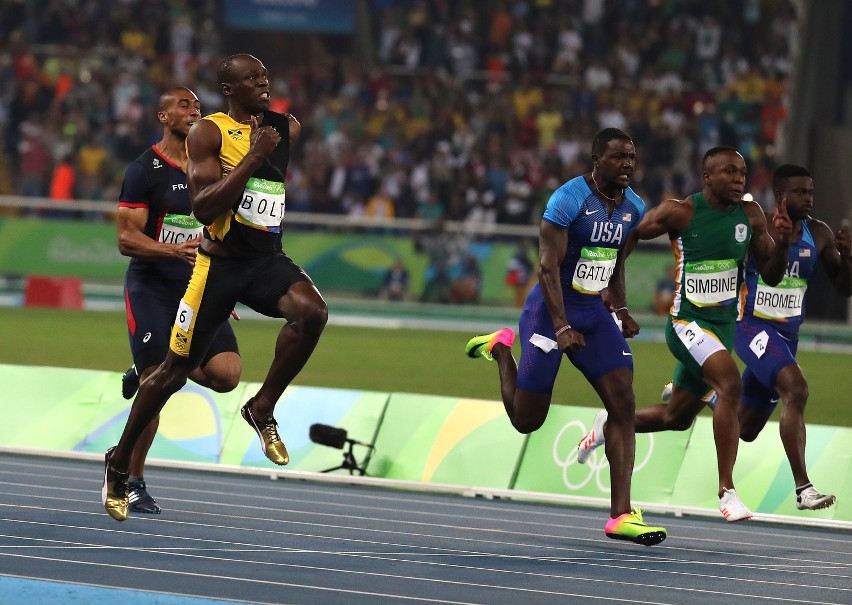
236 175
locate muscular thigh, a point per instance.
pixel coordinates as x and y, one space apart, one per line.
272 277
765 351
540 357
224 341
606 348
205 306
692 343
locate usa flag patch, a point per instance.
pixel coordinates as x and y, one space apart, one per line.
627 217
805 252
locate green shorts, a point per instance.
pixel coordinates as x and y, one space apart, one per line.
692 341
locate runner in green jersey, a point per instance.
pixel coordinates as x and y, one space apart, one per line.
711 232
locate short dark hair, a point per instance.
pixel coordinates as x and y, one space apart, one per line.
224 73
605 136
785 172
714 151
171 94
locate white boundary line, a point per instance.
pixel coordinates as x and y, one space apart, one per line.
438 488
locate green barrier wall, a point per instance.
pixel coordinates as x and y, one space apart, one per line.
444 440
423 439
338 262
82 410
762 473
550 461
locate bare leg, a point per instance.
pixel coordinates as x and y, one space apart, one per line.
306 314
527 410
676 415
616 392
793 389
143 443
221 374
721 373
153 393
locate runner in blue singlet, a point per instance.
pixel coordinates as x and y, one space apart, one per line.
586 222
768 334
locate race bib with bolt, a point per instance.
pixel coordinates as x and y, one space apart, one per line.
262 206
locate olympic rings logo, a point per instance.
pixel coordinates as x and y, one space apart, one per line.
577 476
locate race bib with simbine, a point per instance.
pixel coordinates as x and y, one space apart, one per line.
711 282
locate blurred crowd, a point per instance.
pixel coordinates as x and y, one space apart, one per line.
467 110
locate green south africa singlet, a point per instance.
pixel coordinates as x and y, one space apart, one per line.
710 255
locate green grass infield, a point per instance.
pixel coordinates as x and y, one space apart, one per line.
425 361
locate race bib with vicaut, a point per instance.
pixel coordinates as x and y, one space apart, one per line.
262 206
178 228
782 301
711 283
593 270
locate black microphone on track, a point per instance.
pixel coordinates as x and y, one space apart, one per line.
331 436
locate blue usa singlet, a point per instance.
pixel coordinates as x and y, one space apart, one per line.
783 304
594 237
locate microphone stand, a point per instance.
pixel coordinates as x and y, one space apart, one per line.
349 462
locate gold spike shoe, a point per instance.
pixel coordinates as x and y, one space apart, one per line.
114 492
267 429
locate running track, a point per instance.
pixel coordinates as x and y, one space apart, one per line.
235 537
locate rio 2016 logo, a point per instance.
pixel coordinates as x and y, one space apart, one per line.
576 476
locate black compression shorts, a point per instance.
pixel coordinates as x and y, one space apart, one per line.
218 284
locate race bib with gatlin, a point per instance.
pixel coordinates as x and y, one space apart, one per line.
262 206
594 269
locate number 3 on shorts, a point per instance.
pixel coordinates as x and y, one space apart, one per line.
690 335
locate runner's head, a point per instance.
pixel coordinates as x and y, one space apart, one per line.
244 81
614 158
796 184
179 109
724 174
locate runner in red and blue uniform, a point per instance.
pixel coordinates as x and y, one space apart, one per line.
156 229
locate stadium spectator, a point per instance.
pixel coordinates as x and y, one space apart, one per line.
456 72
396 281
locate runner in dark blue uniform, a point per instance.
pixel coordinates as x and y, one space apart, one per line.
156 230
768 334
585 223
